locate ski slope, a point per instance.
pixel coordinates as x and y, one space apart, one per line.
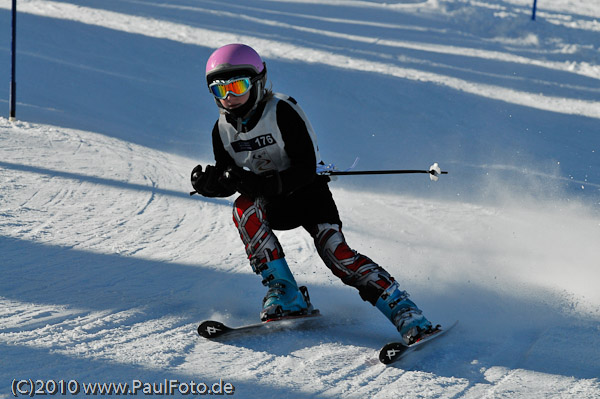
108 264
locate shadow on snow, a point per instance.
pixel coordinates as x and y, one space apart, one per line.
495 330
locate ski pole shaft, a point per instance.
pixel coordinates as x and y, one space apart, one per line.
381 172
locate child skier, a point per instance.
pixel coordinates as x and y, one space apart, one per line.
265 149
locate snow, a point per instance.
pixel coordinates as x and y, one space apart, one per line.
108 264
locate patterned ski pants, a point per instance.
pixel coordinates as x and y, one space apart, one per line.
352 268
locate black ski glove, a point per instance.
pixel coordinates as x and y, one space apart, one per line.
267 184
205 183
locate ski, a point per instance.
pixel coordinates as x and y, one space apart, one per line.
394 351
216 330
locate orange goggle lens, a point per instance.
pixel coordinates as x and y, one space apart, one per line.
238 87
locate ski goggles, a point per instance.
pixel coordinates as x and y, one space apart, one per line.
238 87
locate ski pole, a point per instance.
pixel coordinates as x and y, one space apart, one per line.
382 172
434 171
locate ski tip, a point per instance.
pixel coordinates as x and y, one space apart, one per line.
391 352
212 329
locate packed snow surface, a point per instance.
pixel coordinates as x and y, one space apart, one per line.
108 264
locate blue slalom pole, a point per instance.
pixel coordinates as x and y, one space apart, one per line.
533 10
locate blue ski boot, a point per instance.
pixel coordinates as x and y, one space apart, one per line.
403 313
283 298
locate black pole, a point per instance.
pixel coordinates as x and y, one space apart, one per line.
378 172
533 10
13 83
372 172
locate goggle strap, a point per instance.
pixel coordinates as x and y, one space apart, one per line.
261 75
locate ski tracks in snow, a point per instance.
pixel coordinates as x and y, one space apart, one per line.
99 194
114 201
126 336
108 264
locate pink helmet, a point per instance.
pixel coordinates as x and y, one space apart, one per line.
237 60
234 58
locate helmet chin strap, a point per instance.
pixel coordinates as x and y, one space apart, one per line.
244 112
